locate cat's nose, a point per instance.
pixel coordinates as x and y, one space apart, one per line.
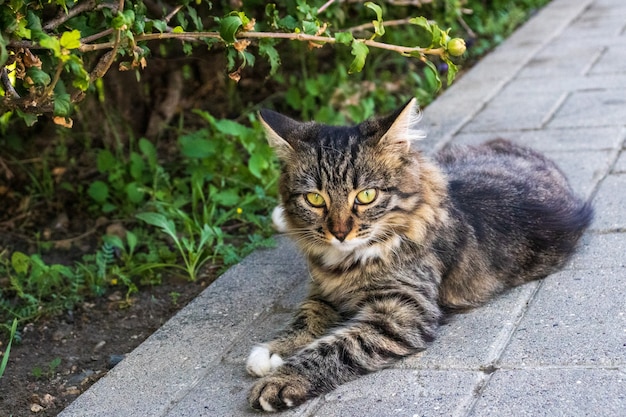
340 234
340 229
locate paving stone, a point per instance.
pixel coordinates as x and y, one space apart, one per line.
584 169
610 203
404 393
613 60
620 165
554 393
546 140
600 250
224 394
592 108
475 339
515 112
566 82
570 310
179 354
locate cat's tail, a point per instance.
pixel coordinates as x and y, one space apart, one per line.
556 232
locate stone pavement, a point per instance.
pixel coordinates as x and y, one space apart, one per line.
550 348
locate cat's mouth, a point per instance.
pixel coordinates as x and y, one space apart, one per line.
348 245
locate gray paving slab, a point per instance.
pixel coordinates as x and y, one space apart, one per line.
600 251
620 165
592 108
516 112
610 203
554 393
401 393
549 348
176 357
572 309
475 340
550 140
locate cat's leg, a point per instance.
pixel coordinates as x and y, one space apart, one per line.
312 320
386 330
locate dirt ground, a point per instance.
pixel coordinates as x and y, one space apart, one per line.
60 358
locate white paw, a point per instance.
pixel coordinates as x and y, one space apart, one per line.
261 362
278 219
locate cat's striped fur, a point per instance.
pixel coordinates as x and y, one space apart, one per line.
439 236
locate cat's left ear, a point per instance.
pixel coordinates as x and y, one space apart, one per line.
404 127
279 130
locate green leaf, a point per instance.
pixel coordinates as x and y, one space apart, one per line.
257 164
424 32
433 70
193 146
136 166
132 241
344 37
38 76
160 221
360 51
452 71
105 161
178 29
4 55
20 262
159 25
134 193
52 43
114 241
99 191
62 104
230 127
227 198
70 40
149 151
378 23
229 26
29 118
266 47
310 28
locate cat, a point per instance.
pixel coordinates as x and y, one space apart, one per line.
395 241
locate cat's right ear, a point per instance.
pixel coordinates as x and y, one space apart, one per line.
278 129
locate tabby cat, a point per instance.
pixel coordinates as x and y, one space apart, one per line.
395 240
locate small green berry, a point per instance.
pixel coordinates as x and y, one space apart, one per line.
456 47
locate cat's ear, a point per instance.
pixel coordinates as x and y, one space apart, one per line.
278 129
403 127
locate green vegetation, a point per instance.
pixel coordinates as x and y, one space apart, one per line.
161 167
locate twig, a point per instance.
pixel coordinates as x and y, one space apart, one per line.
64 17
6 83
173 13
365 26
325 6
55 80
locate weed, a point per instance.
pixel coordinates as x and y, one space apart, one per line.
7 352
49 371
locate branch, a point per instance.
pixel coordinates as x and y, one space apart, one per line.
386 23
64 17
6 84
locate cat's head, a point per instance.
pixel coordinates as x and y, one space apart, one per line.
348 192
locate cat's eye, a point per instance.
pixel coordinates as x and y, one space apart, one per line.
315 200
366 196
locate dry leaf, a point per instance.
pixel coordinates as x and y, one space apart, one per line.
63 121
235 76
241 45
250 25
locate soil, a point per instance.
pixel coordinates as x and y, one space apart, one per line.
59 358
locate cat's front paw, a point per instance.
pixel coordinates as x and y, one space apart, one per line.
262 361
279 391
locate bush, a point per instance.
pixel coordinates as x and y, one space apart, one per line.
129 137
